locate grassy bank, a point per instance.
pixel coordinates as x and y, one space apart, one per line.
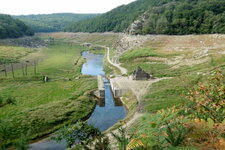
40 108
186 66
13 53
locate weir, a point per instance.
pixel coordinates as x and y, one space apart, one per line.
101 87
116 89
107 112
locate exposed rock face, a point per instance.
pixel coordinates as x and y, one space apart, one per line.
138 24
140 74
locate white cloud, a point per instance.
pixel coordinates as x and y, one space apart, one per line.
19 7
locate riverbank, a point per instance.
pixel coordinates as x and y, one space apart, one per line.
41 108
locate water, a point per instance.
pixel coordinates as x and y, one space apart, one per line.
94 64
104 116
107 112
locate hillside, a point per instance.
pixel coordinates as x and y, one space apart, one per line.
13 28
52 22
159 17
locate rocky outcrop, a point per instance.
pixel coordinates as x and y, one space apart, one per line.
138 24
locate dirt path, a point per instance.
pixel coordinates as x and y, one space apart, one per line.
122 70
139 88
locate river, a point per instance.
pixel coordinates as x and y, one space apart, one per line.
106 113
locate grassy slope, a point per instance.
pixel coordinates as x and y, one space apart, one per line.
12 53
172 91
43 107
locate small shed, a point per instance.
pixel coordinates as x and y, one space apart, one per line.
140 74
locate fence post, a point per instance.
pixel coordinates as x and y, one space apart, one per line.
12 70
5 70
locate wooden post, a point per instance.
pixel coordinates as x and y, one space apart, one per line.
22 69
27 61
35 68
5 70
12 70
26 69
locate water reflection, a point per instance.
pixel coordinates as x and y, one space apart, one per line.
106 113
105 116
93 65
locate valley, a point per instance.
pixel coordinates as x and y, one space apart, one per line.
177 64
112 75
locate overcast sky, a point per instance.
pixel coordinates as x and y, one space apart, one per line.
24 7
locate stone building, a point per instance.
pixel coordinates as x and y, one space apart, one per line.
140 74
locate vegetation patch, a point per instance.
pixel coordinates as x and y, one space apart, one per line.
12 53
43 107
138 53
13 28
169 92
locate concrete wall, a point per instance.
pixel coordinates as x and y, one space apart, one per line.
101 87
117 91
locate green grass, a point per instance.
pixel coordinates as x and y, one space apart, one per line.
139 53
13 53
132 59
169 92
42 108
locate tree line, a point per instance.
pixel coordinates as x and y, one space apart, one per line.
185 17
159 17
52 22
13 28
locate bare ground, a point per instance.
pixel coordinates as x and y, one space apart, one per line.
185 50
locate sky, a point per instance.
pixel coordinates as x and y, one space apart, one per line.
25 7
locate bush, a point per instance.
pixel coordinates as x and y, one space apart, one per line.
22 143
208 98
206 134
80 132
122 138
11 100
175 133
164 129
1 101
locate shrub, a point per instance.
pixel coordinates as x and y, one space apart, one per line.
208 98
165 129
22 143
122 138
206 134
80 133
1 101
102 143
11 100
176 133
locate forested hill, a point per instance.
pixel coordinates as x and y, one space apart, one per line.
13 28
52 22
160 17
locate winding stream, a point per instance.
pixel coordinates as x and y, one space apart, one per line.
106 113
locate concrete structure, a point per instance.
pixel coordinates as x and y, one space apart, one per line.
117 91
101 87
140 74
